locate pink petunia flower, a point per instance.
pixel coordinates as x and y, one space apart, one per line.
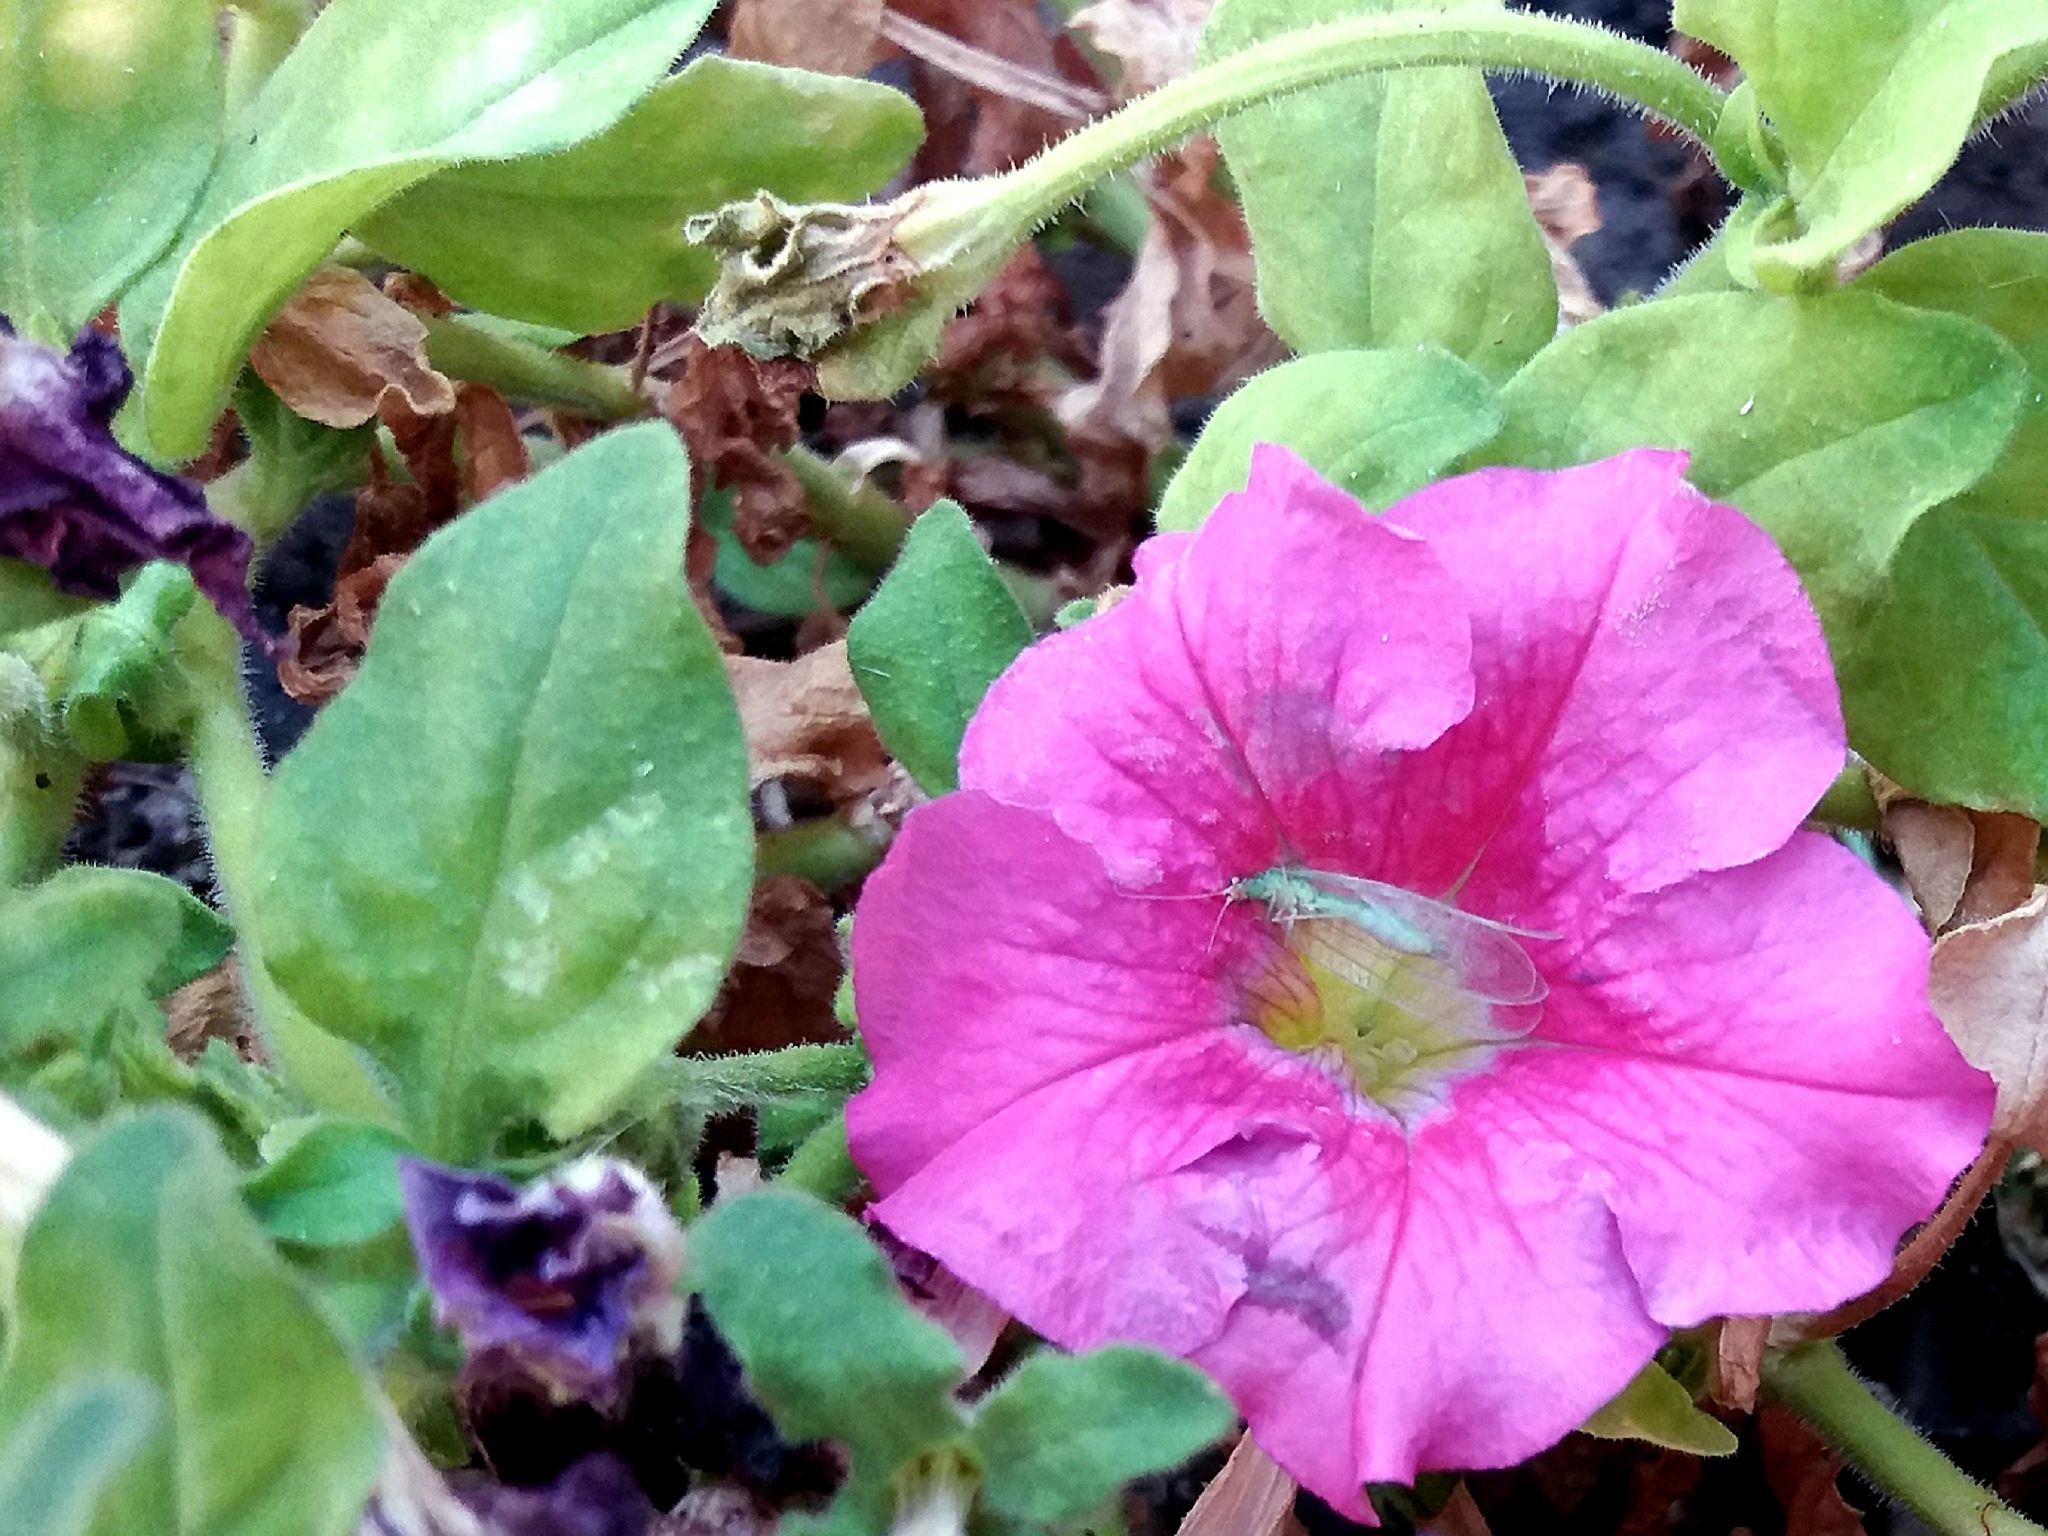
1423 1169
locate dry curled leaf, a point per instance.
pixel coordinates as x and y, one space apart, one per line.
738 413
341 353
1961 866
833 37
1567 209
1154 40
806 720
1988 983
1802 1471
325 645
1251 1496
1004 91
1738 1361
779 991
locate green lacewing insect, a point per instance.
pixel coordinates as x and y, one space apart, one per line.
1361 929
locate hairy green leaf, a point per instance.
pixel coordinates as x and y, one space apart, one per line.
111 116
142 1261
512 860
1379 423
1872 102
1387 210
940 629
1656 1408
1064 1432
589 238
357 113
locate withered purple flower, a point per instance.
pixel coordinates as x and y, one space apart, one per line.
561 1279
73 501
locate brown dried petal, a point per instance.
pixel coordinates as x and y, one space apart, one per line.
834 37
1251 1496
325 645
493 453
1988 983
1738 1361
336 351
1802 1472
737 414
1567 209
1154 40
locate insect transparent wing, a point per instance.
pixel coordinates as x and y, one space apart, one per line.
1487 958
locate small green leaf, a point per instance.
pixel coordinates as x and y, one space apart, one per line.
59 1460
940 629
111 116
88 942
512 860
1387 210
829 1345
589 238
1872 102
1834 421
124 698
1654 1407
357 113
142 1261
334 1185
1380 424
291 460
1064 1432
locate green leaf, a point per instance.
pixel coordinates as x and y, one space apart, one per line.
357 113
589 238
1872 102
1380 424
1999 278
88 942
789 588
334 1185
291 460
142 1261
512 860
1949 673
28 598
111 116
59 1460
1654 1407
1834 421
1388 210
125 699
940 629
829 1345
1064 1432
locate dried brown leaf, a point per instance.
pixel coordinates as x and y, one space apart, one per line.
1934 844
1989 985
1154 40
1011 348
738 413
341 349
1567 209
779 991
1738 1361
493 453
1802 1472
212 1008
324 646
995 119
806 720
1251 1496
834 37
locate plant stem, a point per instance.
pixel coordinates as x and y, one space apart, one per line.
853 517
718 1083
1815 1382
829 851
461 348
1514 41
227 768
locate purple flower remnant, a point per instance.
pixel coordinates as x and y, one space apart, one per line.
73 501
560 1279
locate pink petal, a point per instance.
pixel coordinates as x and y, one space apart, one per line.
1750 1060
1291 641
1654 694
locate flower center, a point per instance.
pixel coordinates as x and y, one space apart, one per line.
1393 994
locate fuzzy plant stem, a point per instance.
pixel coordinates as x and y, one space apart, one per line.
1815 1382
1503 41
715 1084
227 769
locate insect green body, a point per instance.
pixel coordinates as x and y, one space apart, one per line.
1291 895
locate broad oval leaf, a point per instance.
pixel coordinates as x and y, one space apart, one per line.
57 1462
111 117
1385 210
513 858
142 1262
1379 423
939 630
1872 101
589 238
359 111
